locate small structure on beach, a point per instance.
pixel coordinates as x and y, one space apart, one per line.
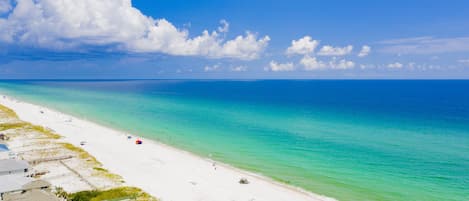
4 137
138 141
244 181
13 166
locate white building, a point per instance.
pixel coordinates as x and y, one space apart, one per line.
13 166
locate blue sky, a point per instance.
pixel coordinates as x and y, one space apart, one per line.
50 39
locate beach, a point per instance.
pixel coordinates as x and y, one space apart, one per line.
163 171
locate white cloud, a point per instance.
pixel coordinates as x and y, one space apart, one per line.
311 63
225 26
365 51
115 25
395 65
335 51
5 6
302 46
212 68
274 66
425 45
341 64
239 68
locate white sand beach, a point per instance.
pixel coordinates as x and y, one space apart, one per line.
165 172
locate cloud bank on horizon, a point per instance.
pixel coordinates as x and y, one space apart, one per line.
116 25
306 47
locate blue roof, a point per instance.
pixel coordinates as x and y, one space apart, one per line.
3 147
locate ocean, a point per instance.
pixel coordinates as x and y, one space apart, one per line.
358 140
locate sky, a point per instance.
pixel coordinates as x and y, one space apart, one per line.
234 39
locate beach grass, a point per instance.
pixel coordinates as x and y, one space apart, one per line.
81 153
24 125
99 170
7 112
115 194
15 125
102 172
45 131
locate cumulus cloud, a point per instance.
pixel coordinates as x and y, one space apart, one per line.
328 50
395 65
302 46
274 66
425 45
306 47
115 25
312 63
365 51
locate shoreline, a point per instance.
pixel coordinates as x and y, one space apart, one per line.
163 171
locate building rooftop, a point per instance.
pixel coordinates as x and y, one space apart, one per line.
7 165
33 195
37 184
13 182
13 186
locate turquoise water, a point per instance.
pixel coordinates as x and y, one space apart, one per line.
351 140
